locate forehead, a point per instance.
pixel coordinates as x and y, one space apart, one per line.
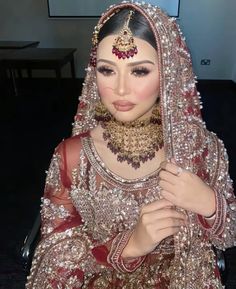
145 50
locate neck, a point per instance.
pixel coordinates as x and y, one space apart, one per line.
134 142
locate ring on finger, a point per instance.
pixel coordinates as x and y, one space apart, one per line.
179 171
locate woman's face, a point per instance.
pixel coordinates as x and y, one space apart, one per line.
129 87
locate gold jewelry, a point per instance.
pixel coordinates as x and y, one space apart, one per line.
101 113
136 141
124 46
93 53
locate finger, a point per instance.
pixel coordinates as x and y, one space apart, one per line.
162 234
168 213
170 167
156 205
169 196
169 177
154 217
169 223
167 186
163 164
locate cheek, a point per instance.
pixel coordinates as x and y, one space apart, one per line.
146 89
104 87
103 91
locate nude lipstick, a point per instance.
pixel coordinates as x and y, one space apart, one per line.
123 105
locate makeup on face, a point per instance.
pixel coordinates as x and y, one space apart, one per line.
123 105
128 87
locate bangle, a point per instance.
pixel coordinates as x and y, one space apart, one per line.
211 216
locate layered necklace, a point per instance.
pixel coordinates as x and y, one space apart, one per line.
135 142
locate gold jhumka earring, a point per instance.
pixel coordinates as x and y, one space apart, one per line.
124 46
101 113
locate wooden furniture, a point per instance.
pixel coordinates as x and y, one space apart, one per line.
41 58
3 54
7 47
38 58
5 44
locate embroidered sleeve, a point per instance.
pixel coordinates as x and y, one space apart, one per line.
57 209
49 213
53 178
222 232
115 259
109 254
64 243
66 253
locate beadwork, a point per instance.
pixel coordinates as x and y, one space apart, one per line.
88 212
134 142
124 46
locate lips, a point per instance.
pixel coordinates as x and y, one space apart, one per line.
123 105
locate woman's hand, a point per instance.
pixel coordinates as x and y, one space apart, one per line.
186 190
157 221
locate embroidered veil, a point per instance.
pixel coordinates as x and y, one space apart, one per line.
187 140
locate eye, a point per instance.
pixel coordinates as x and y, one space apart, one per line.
105 70
140 71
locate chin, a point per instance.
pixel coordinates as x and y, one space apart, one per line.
126 117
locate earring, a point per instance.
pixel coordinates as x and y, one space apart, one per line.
101 113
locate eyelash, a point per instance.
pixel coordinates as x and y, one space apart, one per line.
106 71
140 71
137 71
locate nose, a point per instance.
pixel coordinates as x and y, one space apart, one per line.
122 87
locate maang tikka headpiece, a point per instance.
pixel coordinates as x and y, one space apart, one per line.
124 46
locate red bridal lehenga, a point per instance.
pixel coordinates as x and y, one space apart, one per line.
88 212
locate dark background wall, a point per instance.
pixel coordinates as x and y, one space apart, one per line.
209 27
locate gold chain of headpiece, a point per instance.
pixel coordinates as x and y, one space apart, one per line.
123 47
98 28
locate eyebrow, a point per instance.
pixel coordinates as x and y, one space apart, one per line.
129 64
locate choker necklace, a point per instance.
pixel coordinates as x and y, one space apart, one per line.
135 141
